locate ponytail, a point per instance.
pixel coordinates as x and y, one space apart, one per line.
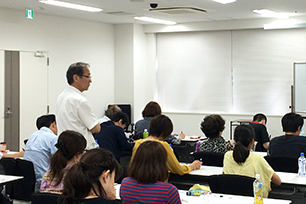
243 136
84 176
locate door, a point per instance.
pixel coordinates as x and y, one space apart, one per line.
26 95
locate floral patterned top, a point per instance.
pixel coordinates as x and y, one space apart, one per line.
216 145
48 186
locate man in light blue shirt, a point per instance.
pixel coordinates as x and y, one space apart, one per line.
41 146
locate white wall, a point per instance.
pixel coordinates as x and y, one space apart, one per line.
69 41
2 95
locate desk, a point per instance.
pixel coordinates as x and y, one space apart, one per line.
189 139
217 198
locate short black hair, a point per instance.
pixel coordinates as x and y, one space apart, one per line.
75 68
291 122
45 121
259 117
121 116
212 125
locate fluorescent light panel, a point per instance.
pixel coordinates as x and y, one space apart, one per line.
225 1
154 20
269 13
71 5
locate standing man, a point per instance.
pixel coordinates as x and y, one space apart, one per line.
261 133
73 111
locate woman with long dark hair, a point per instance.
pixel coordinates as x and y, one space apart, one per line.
91 181
71 146
241 161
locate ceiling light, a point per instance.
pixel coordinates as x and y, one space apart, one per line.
269 13
225 1
71 6
154 20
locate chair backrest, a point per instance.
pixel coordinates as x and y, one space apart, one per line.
284 164
24 188
182 153
231 184
9 165
209 158
45 198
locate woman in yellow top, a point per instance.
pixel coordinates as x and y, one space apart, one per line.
243 162
160 128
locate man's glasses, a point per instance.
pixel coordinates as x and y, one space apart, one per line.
88 77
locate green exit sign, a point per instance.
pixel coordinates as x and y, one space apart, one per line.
29 13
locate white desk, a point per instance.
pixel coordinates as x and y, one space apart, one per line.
286 178
228 199
218 198
6 178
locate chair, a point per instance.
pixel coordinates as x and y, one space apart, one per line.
284 164
9 165
24 188
45 198
231 184
209 158
183 153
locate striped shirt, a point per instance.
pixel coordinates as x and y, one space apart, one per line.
133 192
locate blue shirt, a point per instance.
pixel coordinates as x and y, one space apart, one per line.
39 149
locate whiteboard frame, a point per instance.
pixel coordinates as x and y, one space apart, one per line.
295 92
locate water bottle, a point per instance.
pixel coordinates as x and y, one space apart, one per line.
258 190
198 144
145 134
301 162
302 133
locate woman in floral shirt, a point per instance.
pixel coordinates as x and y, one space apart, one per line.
212 126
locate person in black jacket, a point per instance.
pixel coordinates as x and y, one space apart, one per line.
261 134
112 137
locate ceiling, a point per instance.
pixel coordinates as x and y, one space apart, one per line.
123 11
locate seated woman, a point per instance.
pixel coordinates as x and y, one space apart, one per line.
91 181
243 162
212 126
151 109
146 173
160 128
71 146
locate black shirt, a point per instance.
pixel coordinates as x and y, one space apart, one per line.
261 136
287 146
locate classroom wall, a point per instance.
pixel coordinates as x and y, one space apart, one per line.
68 41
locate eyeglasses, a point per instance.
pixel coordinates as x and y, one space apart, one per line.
88 77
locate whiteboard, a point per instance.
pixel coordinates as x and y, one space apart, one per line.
299 80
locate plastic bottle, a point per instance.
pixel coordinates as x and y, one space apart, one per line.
301 162
198 144
258 190
302 133
145 134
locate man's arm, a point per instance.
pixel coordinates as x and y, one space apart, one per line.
96 129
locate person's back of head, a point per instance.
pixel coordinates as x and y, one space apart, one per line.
160 126
151 109
111 110
85 176
45 121
259 117
150 163
75 68
212 125
121 116
292 122
71 146
244 136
